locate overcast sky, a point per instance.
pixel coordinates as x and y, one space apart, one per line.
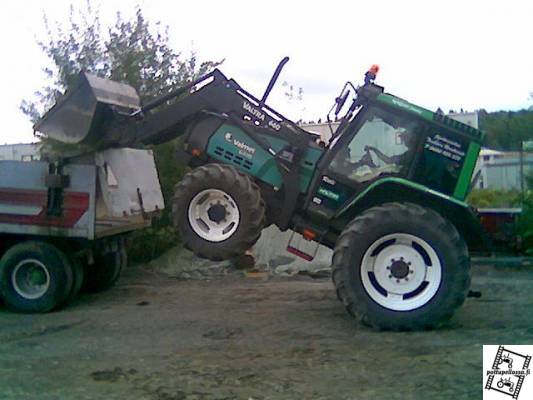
452 54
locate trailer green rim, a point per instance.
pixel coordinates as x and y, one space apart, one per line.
30 279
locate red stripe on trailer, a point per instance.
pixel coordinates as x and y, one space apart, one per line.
75 204
23 197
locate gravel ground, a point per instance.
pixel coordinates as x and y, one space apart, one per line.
252 337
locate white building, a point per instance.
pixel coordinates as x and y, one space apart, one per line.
321 129
502 169
467 118
20 152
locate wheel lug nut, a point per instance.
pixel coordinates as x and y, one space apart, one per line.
390 276
401 258
397 281
410 271
406 278
388 267
409 263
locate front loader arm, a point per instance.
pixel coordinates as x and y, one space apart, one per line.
98 113
214 94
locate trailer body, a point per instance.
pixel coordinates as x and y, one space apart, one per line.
63 224
103 194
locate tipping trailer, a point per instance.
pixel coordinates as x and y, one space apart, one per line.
387 192
63 223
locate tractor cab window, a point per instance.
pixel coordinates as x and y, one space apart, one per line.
385 144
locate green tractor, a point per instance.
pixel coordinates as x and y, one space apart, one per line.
386 192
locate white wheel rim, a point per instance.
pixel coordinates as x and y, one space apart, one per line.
401 272
213 215
30 279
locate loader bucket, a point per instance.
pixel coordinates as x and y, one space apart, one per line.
78 117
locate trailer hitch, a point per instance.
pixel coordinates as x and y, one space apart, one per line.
56 182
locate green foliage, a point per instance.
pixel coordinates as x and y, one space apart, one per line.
132 51
524 226
490 198
70 49
147 244
161 236
507 129
493 198
170 173
529 182
146 61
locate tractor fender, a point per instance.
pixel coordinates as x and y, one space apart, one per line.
392 189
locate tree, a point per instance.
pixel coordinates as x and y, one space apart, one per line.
506 130
132 51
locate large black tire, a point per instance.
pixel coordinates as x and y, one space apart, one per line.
35 277
374 286
105 271
78 274
215 191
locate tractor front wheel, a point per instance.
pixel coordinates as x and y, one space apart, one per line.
400 266
218 212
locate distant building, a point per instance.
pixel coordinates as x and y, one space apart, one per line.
467 118
501 169
321 129
497 169
20 152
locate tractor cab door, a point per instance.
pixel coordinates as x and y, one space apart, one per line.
377 143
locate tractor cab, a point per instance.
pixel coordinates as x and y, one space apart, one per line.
382 138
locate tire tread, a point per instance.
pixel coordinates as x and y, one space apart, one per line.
393 211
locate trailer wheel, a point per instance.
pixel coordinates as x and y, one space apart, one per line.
218 212
35 277
105 271
78 274
400 266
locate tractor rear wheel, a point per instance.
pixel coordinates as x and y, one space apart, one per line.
400 266
218 211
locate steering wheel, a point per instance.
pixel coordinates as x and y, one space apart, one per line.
340 101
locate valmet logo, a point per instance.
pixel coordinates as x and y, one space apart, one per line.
244 149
